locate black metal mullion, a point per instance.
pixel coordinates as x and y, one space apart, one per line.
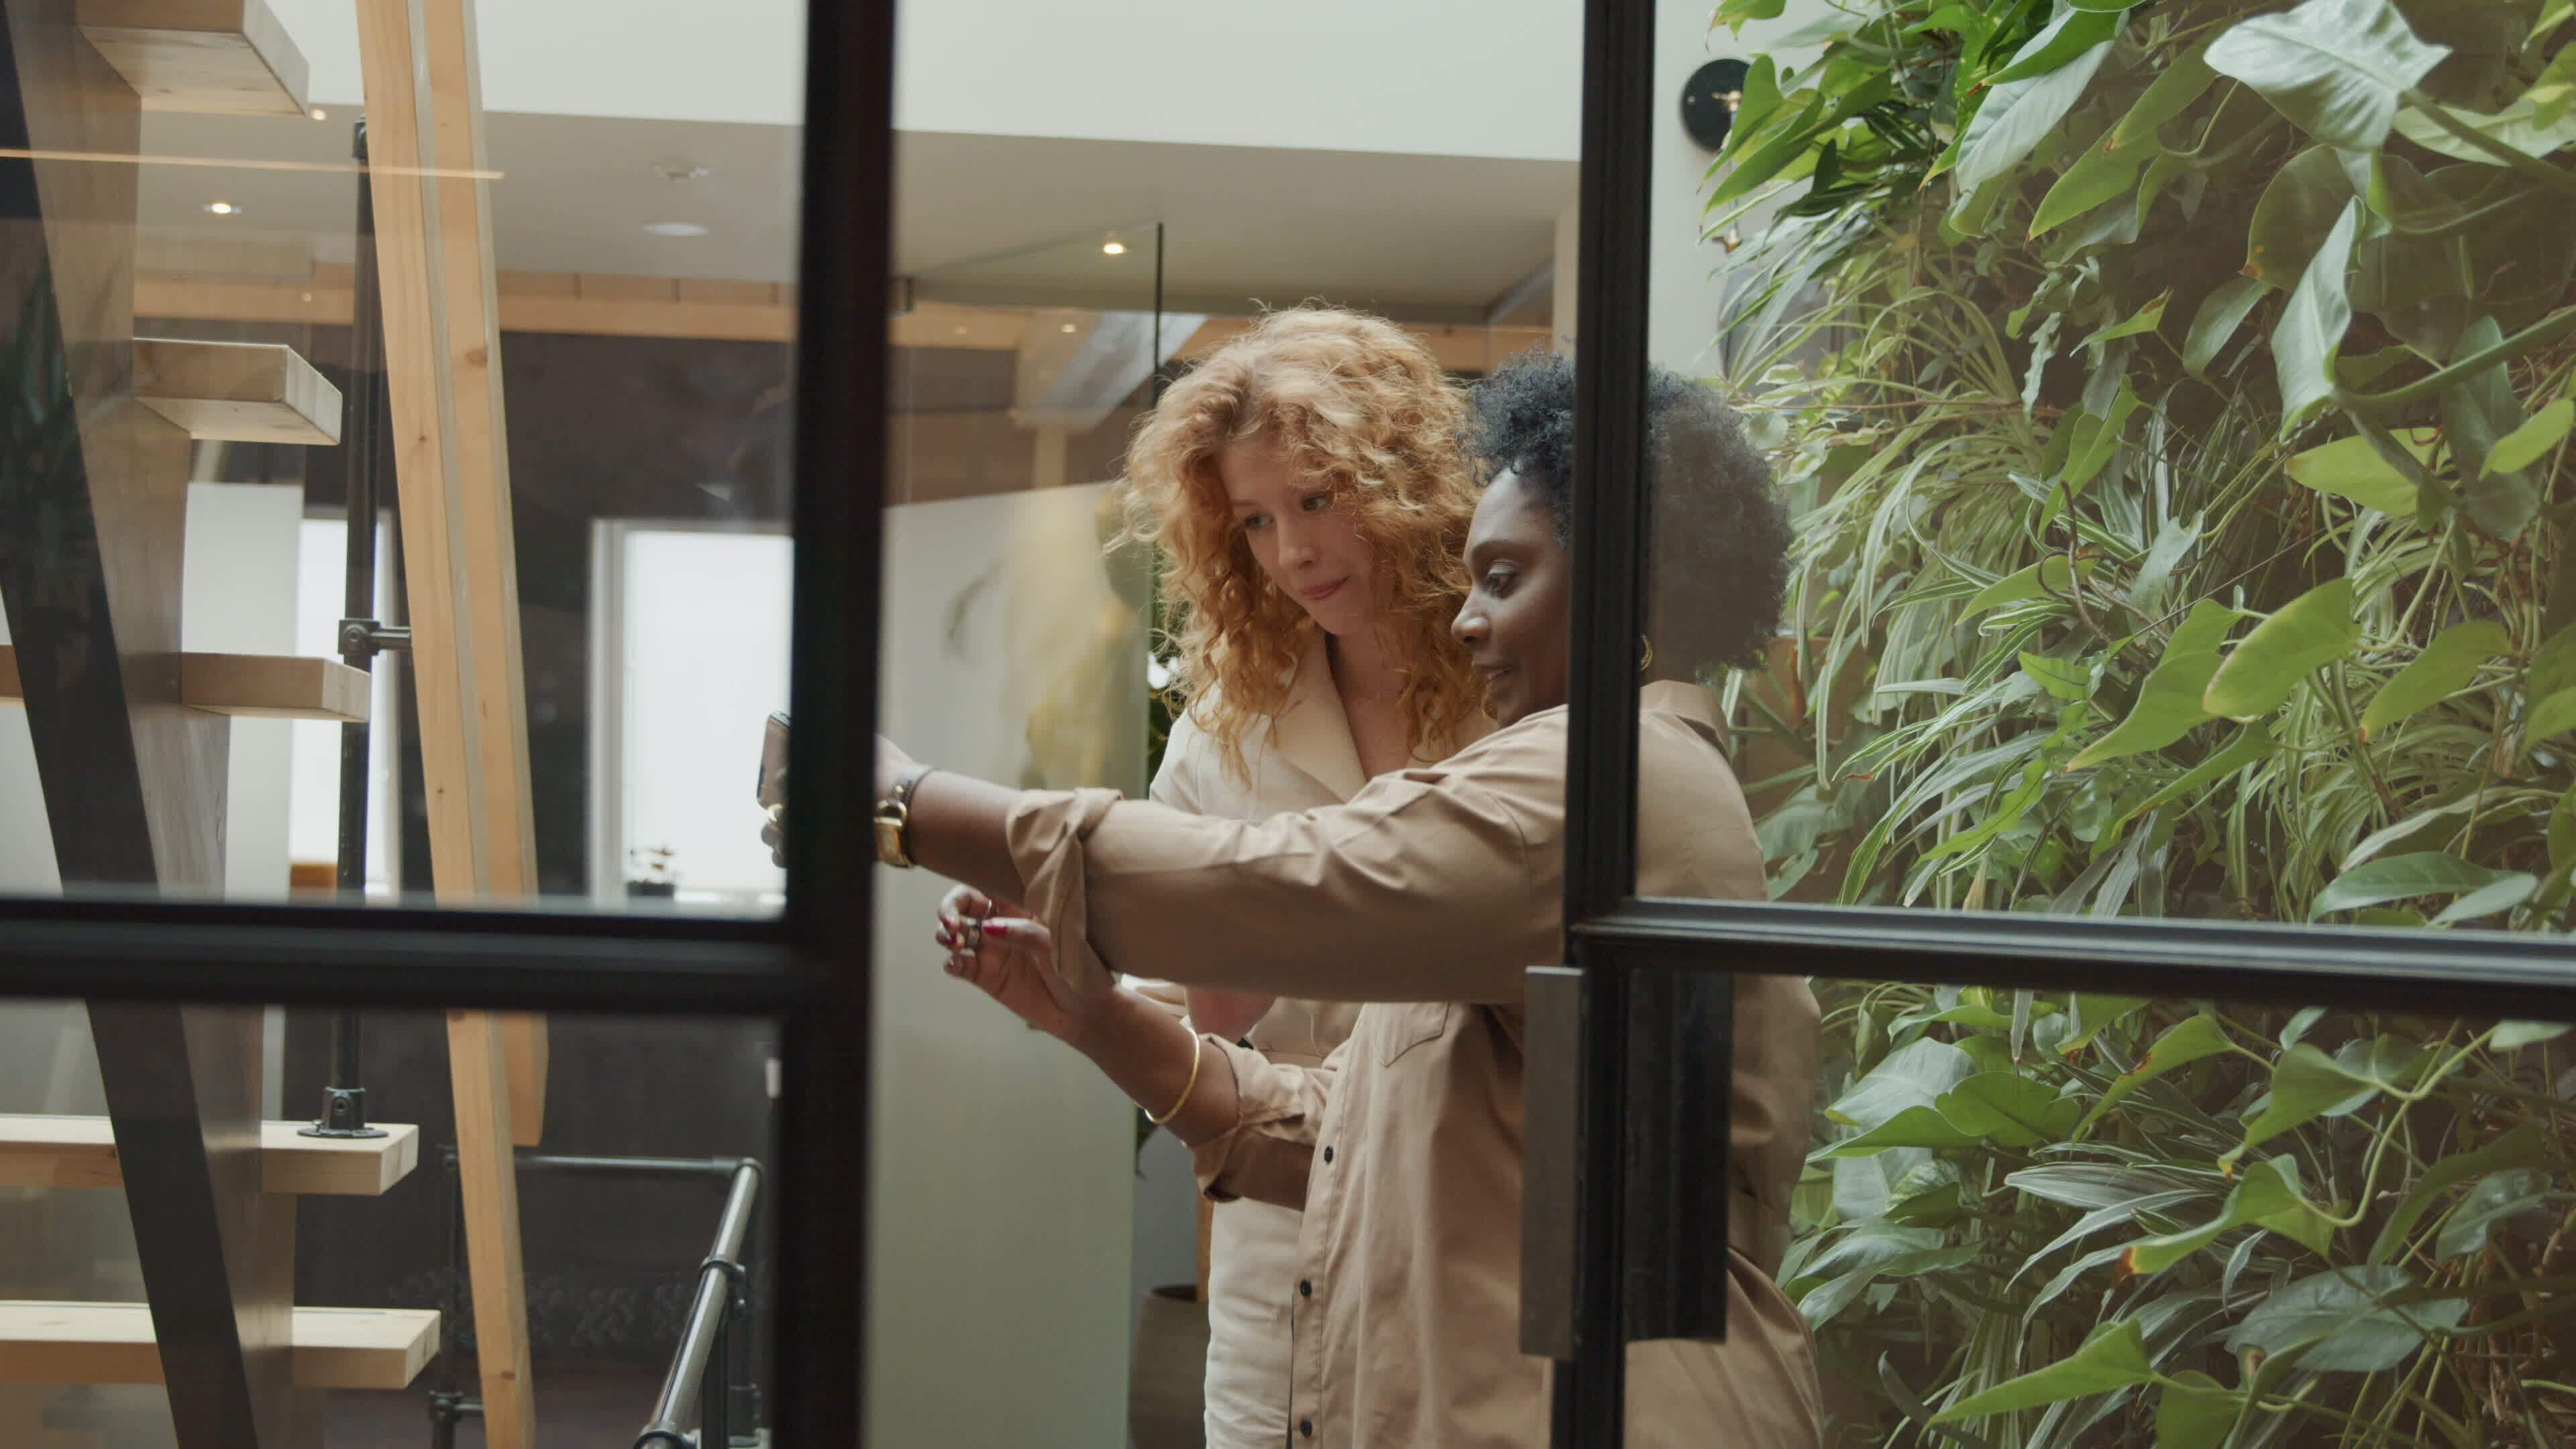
1609 551
842 368
2464 973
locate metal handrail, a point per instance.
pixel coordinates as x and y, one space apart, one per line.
703 1341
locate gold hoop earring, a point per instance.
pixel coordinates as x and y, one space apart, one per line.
1647 659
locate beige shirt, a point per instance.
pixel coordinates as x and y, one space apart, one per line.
1427 896
1301 758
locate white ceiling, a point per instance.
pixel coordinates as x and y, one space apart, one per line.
1429 77
1434 237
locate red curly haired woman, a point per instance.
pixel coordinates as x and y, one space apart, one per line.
1305 484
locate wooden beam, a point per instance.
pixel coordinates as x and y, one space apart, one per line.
579 303
56 1152
228 56
442 369
242 392
263 686
112 1343
478 1063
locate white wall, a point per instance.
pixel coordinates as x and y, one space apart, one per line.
1418 76
238 596
1683 269
999 1300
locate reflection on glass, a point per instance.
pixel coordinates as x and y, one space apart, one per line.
2172 464
563 306
617 1208
2051 1219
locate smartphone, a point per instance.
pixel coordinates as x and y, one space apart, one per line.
773 762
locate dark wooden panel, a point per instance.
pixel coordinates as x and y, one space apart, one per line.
93 513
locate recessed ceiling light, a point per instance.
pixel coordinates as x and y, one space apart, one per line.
961 331
222 208
1115 248
678 172
319 114
1068 327
675 228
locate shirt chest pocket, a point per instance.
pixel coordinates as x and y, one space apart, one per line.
1414 1024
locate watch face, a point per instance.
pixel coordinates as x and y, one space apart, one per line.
1708 101
889 824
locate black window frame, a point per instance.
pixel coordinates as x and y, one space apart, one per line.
809 968
1608 1118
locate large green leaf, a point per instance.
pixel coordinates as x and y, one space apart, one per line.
2521 1147
2497 1196
2051 575
2446 665
2194 1412
2310 631
2096 177
2070 34
2346 1315
2017 115
2175 87
2169 699
2402 878
2114 1357
1768 150
2336 68
1912 1127
2554 715
2527 126
2480 412
2310 332
2297 212
2010 1109
2308 1084
2353 468
2182 1043
2220 314
2267 1196
1914 1075
2525 445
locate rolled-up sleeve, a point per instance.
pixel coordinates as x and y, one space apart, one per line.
1430 885
1278 1110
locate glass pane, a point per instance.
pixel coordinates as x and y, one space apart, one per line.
648 1125
2169 465
551 334
1060 284
2093 1219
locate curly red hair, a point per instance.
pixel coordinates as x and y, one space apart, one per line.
1355 400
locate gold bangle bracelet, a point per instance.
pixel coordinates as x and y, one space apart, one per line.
1198 1053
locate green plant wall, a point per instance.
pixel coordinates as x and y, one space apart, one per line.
2177 397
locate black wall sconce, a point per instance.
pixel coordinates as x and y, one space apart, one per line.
1709 99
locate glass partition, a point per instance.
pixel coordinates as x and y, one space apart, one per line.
2047 1218
2169 463
497 307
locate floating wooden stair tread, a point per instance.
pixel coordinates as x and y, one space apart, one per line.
236 392
265 686
227 56
81 1152
111 1343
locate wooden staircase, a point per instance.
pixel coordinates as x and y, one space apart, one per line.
96 430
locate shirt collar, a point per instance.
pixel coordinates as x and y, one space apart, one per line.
1311 731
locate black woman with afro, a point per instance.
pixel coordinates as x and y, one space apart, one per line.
1425 898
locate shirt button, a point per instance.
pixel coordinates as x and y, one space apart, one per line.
1328 1154
1305 1287
1306 1427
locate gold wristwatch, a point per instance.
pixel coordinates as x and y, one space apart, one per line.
894 819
